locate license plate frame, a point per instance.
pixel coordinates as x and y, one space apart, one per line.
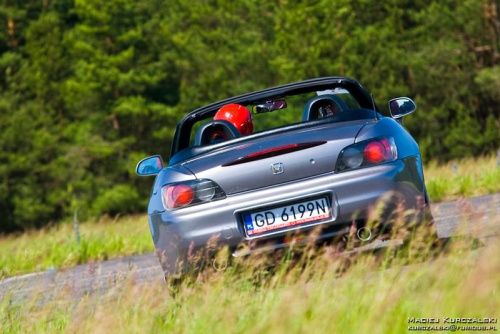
252 220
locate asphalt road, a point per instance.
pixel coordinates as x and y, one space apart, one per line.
481 215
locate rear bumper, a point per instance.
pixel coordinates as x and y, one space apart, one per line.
351 194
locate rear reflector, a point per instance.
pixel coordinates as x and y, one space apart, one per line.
272 152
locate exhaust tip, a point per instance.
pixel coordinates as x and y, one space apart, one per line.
364 234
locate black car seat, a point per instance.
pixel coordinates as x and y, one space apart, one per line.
207 133
315 106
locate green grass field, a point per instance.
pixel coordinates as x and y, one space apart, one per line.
108 238
57 247
320 293
472 177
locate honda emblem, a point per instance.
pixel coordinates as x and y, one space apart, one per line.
277 168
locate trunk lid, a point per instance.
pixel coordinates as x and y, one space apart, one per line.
276 159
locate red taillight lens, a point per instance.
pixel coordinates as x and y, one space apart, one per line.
378 151
374 152
179 195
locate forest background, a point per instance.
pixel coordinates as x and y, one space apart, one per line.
89 87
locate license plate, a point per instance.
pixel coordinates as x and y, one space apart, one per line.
286 216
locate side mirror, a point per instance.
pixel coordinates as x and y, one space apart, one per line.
149 166
401 106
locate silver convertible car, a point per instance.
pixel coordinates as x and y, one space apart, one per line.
254 169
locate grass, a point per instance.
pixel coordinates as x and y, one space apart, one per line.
108 238
463 178
56 247
307 291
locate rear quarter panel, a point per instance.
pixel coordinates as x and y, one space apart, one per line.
411 178
407 146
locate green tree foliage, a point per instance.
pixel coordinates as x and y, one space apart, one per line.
89 87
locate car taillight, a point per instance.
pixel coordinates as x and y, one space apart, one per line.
179 195
188 193
367 153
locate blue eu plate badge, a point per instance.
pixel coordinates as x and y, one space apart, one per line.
248 222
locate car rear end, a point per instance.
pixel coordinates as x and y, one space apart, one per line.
256 192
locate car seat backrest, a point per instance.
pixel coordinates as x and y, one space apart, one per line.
312 106
205 134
